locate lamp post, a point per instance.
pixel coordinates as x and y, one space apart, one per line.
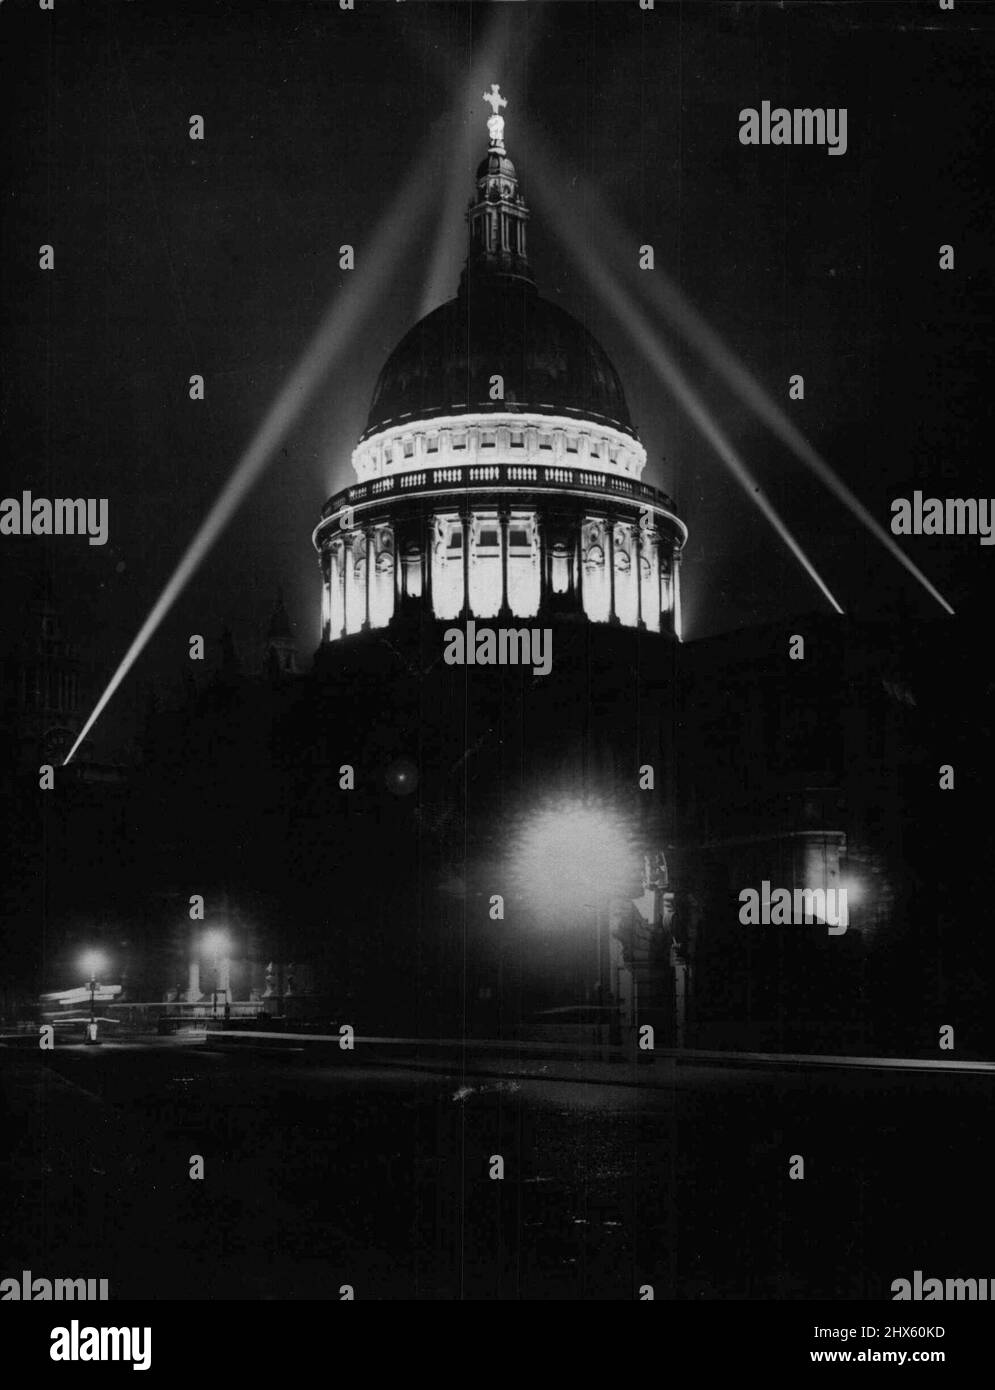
92 962
573 859
216 945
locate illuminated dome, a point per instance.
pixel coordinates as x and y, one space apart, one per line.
499 474
550 364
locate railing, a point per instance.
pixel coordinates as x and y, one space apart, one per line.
498 475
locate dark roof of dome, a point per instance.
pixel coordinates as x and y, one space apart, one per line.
496 164
549 361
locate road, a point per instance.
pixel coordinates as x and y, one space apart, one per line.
318 1176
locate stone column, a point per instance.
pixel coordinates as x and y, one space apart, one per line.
428 548
370 534
465 522
637 547
675 581
610 557
541 535
326 596
333 579
348 578
343 560
399 569
503 518
580 565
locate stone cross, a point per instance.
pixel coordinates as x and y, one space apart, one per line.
495 98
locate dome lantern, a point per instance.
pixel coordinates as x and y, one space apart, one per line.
498 215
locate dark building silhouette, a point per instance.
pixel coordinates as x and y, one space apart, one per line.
358 830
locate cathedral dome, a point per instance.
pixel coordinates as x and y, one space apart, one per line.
549 362
499 474
497 326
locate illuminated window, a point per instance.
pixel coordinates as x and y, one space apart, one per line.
626 582
412 571
485 567
432 444
382 579
459 441
409 448
596 582
487 440
571 444
523 566
388 455
354 565
447 566
545 441
518 439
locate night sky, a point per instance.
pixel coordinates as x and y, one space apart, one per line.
220 257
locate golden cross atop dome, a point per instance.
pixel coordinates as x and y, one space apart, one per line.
495 98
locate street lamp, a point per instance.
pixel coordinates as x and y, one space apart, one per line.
217 946
574 857
92 962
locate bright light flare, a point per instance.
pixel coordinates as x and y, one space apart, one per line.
854 890
216 943
92 963
574 857
376 263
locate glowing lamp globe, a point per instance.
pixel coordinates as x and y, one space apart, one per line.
574 858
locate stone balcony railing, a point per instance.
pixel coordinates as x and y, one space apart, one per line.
498 477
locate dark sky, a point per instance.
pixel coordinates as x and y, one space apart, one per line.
220 257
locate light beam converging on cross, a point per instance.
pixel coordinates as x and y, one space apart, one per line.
376 263
505 41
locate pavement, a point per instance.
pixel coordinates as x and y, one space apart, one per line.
378 1175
